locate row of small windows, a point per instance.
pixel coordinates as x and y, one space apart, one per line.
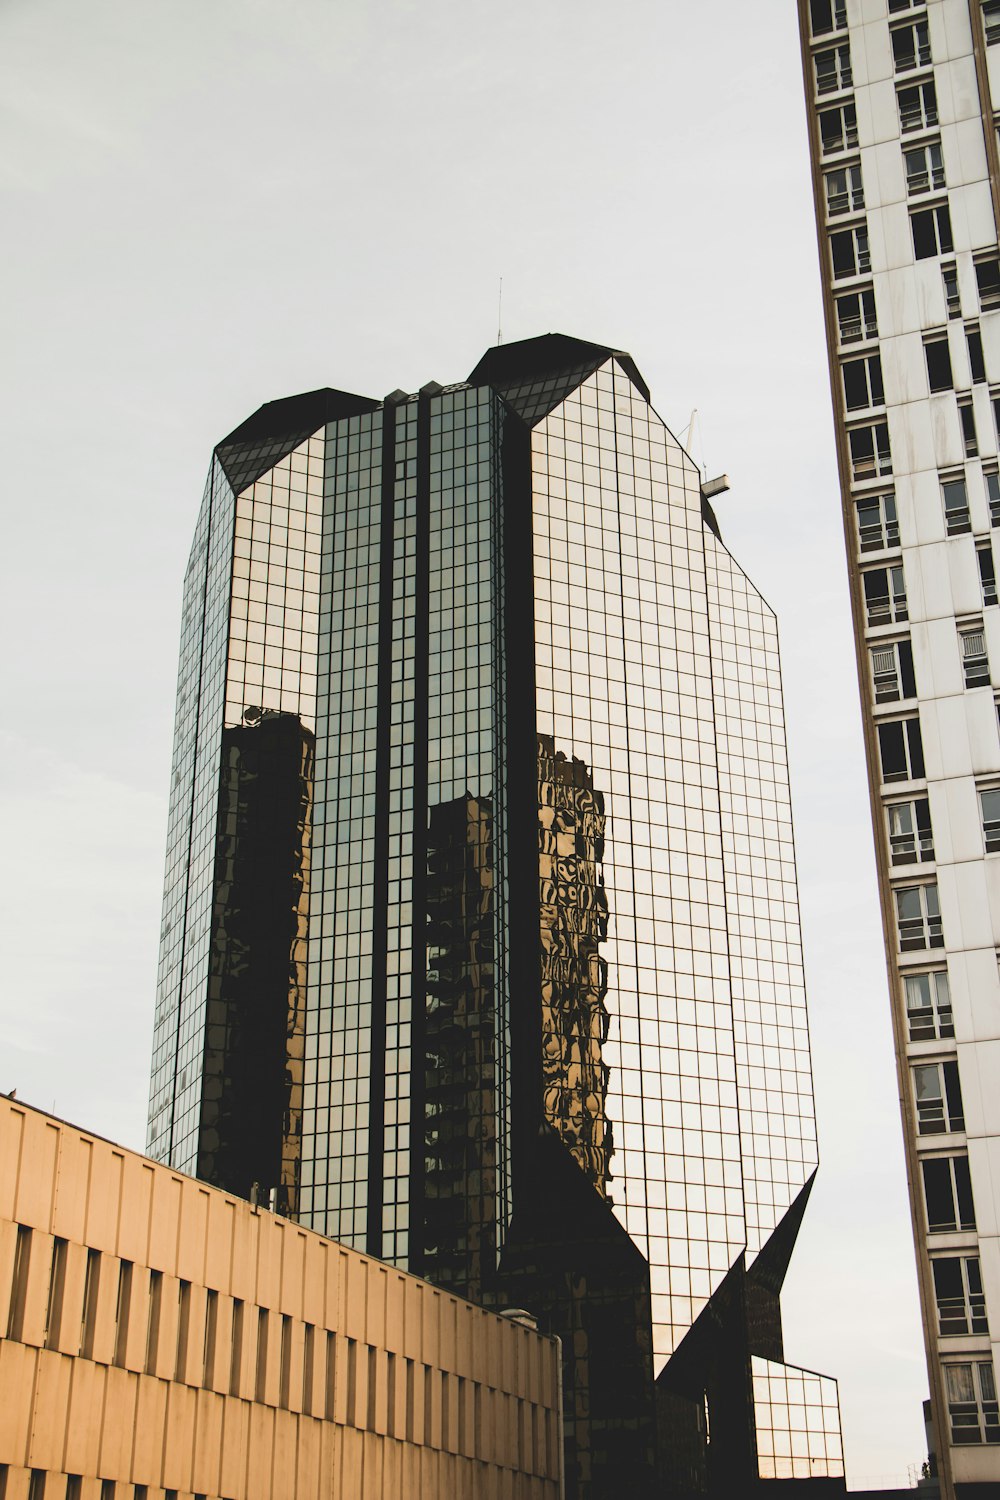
937 355
892 665
878 530
878 522
911 48
911 840
323 1360
869 446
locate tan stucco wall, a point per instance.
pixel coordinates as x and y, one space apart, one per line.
123 1286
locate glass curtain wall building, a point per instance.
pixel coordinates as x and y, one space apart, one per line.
516 998
902 102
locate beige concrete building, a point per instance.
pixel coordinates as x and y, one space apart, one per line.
903 103
166 1341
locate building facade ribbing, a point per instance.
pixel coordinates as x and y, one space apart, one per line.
164 1340
902 101
542 997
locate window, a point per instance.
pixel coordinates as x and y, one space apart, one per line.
885 595
833 69
856 317
838 128
901 750
57 1290
989 806
211 1335
285 1363
123 1309
308 1363
153 1323
827 15
974 659
939 1098
988 281
91 1292
987 574
948 1194
993 494
863 382
892 671
972 1402
911 47
910 839
878 526
991 21
952 295
870 454
849 252
19 1284
260 1379
967 418
958 1291
919 917
924 168
183 1328
956 506
236 1348
895 5
928 1006
938 358
844 192
931 229
917 107
977 365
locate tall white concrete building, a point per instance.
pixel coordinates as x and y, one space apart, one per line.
903 100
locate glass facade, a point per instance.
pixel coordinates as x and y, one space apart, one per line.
545 1031
798 1422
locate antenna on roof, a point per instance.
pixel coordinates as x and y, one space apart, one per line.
688 435
500 312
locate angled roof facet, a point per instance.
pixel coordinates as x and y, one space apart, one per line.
279 426
535 375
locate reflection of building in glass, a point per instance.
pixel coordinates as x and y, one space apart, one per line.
460 1144
250 1136
903 106
555 1051
573 920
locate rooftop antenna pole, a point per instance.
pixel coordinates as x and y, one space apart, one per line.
500 312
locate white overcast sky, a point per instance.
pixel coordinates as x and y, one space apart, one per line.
211 203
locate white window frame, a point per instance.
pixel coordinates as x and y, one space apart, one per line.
894 610
955 500
972 1402
836 78
936 1021
967 1311
925 117
933 1104
874 465
975 659
847 136
909 844
989 817
921 45
929 931
848 196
